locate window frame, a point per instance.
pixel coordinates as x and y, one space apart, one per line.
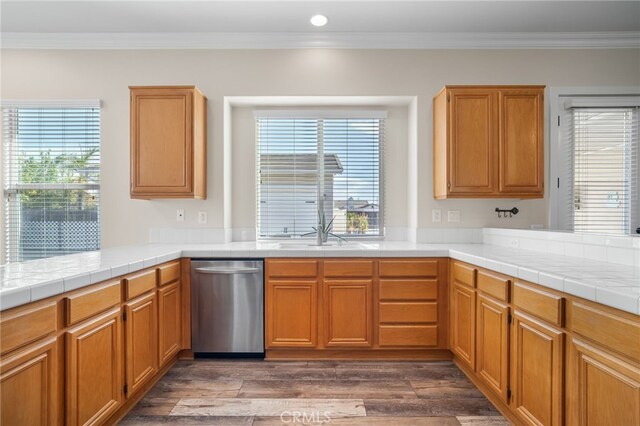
557 98
325 114
11 190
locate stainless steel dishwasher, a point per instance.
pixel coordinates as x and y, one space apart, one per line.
227 307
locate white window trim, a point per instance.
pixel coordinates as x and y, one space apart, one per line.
50 103
555 98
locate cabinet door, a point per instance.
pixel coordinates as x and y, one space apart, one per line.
492 339
94 369
28 385
473 148
161 141
537 371
463 324
141 330
521 141
348 314
169 322
602 389
292 314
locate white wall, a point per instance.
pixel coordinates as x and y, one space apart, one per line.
32 74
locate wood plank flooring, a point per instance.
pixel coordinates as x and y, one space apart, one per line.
250 392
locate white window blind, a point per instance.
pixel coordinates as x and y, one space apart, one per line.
51 162
602 171
290 177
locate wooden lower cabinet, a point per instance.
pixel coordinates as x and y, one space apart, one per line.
94 368
28 385
348 313
537 373
169 320
492 340
463 324
602 389
292 314
141 331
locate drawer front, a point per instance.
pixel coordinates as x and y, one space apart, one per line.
86 304
408 268
139 284
408 335
348 268
408 289
463 274
546 306
169 272
292 268
614 332
26 325
493 285
416 312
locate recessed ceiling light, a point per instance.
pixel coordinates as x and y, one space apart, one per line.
319 20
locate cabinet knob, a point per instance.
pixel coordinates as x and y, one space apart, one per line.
448 184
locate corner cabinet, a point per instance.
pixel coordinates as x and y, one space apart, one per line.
168 142
488 142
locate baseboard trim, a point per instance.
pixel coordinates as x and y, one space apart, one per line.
131 402
486 391
358 354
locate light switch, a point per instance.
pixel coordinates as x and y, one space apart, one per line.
180 215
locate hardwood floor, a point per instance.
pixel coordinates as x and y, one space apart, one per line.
248 392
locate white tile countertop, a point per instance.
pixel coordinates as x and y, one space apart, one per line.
608 283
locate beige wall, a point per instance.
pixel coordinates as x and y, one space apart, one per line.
32 74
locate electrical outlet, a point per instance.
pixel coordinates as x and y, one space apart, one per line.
202 218
180 215
436 215
453 215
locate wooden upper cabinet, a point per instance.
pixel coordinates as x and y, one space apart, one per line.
488 142
472 156
168 142
521 141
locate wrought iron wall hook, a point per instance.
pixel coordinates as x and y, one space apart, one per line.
502 213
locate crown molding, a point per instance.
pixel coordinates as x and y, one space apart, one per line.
582 40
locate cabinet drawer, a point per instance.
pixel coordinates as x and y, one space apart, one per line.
409 312
546 306
26 325
493 285
408 268
408 289
612 331
169 272
138 284
348 268
88 303
408 335
292 268
463 274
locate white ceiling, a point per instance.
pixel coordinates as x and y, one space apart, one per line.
348 19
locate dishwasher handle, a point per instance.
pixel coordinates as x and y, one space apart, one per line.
226 270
